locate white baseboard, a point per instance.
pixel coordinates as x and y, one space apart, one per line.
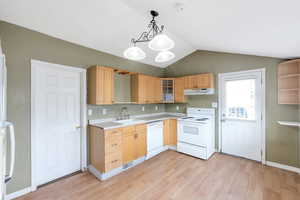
18 193
285 167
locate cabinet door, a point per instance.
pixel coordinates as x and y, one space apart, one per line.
205 81
128 146
187 82
157 90
100 85
179 90
170 132
141 142
166 132
142 89
173 132
107 85
150 89
194 81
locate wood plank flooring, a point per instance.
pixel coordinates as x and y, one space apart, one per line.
175 176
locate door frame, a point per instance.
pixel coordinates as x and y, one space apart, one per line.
263 108
83 117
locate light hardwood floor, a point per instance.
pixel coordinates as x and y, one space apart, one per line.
172 175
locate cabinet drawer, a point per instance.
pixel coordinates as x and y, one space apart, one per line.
128 129
113 144
113 160
141 126
113 132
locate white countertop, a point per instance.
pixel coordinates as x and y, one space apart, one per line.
289 123
112 123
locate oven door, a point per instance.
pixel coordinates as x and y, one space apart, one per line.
193 133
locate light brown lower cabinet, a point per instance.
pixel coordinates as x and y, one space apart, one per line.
170 132
134 142
105 148
110 149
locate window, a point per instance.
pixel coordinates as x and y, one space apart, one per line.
240 99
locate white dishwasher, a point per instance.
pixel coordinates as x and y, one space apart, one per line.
154 138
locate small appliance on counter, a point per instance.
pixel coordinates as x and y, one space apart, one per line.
196 133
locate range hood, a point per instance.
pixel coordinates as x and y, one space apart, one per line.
203 91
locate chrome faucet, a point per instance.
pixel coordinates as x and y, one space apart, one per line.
123 114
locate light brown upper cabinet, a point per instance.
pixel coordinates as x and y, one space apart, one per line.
289 82
100 85
199 81
145 89
179 90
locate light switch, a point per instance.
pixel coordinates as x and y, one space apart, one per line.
90 112
156 107
177 107
143 108
104 111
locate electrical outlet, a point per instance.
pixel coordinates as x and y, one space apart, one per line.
177 107
156 107
214 104
104 111
143 108
90 112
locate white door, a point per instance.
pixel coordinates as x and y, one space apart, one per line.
241 114
57 120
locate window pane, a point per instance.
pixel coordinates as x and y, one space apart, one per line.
240 99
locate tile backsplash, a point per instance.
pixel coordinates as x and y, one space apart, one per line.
112 111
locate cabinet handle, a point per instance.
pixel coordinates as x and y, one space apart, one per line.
135 136
114 161
114 144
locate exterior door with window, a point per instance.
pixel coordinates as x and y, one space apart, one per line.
241 114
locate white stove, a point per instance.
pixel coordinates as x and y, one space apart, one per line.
196 132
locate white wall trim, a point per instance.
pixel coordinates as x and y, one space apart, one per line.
263 108
284 167
18 193
83 117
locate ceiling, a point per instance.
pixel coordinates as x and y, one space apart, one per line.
265 28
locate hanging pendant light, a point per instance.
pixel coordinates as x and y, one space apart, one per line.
164 56
161 42
134 53
157 42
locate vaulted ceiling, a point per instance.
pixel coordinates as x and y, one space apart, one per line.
256 27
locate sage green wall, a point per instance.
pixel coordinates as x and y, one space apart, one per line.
282 142
20 45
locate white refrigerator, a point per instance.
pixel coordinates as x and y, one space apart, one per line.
7 138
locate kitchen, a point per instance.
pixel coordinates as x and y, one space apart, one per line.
128 140
87 112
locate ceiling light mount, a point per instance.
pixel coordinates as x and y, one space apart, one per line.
154 35
154 30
